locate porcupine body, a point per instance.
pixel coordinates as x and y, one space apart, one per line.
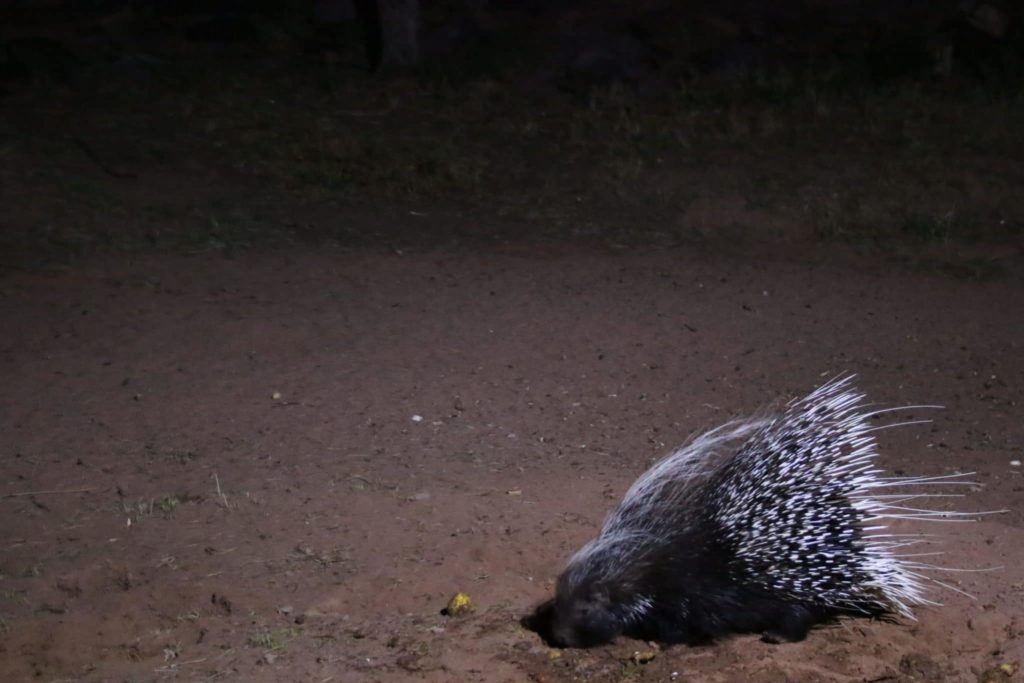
766 525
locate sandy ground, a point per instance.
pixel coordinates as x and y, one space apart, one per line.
279 467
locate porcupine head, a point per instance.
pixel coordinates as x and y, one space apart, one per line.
619 583
587 610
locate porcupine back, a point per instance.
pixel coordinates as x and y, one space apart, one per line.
792 524
802 509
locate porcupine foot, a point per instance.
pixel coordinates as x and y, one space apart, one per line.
794 624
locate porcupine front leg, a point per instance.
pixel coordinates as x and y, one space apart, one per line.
794 623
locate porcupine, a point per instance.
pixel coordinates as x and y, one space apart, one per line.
782 533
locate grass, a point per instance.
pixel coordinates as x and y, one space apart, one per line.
151 450
926 228
321 559
172 652
272 640
824 151
622 156
142 508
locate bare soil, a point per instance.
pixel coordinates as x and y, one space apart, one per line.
280 466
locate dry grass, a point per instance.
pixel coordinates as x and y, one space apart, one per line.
915 162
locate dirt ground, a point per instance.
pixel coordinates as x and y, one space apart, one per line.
281 465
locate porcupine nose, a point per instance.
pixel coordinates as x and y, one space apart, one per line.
563 635
560 631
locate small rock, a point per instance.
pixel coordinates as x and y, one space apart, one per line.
460 605
409 662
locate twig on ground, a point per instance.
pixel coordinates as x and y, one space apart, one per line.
220 493
22 494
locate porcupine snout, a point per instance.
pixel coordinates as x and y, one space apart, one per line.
585 612
579 616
